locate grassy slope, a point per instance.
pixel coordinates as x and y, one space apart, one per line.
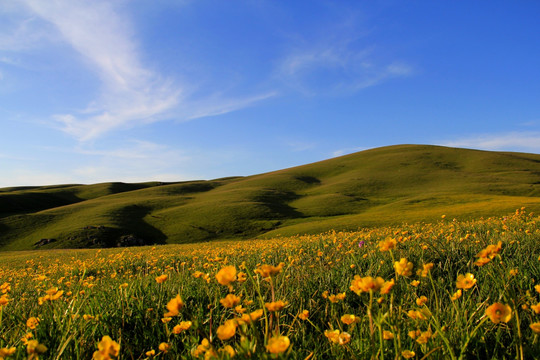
380 186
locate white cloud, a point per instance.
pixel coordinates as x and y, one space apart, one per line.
132 93
336 66
527 141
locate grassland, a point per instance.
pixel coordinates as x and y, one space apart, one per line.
448 289
389 185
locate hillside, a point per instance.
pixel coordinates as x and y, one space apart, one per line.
388 185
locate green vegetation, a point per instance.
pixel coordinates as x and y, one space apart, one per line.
389 185
442 290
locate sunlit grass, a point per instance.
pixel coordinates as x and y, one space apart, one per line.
444 290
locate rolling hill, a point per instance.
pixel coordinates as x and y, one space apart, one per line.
388 185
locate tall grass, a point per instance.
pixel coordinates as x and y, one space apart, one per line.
302 297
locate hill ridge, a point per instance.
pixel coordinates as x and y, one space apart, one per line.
391 184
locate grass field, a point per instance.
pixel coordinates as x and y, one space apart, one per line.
390 185
448 289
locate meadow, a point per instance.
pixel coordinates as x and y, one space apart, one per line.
449 289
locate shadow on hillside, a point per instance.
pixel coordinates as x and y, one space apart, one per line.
131 221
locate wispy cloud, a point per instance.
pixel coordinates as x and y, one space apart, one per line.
337 66
131 92
527 141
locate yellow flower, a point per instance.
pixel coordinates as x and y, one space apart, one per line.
490 251
150 353
88 317
162 278
275 306
336 298
407 354
34 348
387 335
332 335
415 283
230 301
387 244
387 286
253 316
426 269
456 295
303 315
514 272
466 281
403 267
5 352
537 288
227 330
164 347
337 337
174 306
269 270
535 327
421 300
482 261
202 348
424 337
499 313
413 334
366 284
241 277
183 326
3 300
32 322
278 344
227 275
166 319
228 349
107 348
349 319
536 308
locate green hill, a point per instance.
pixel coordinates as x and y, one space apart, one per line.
386 185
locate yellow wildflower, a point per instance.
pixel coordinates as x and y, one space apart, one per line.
278 344
535 327
499 313
34 349
107 347
174 306
32 322
164 347
536 308
269 270
387 244
227 275
387 335
466 281
456 295
421 300
162 278
366 284
349 319
228 349
407 354
230 301
403 267
303 315
276 306
150 353
426 269
5 352
227 330
183 326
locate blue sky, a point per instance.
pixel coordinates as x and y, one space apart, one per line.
119 90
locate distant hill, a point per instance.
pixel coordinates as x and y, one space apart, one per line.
388 185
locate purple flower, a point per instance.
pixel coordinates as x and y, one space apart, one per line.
361 243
